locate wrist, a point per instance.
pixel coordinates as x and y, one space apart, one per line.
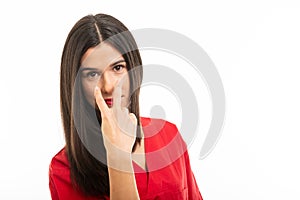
120 160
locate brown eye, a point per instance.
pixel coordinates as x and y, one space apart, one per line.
118 68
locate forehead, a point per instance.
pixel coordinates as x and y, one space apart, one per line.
100 56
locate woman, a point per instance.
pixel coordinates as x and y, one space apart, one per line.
111 152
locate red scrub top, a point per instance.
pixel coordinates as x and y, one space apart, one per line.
168 175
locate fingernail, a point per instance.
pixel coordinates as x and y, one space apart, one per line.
97 88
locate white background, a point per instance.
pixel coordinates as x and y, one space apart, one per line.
255 46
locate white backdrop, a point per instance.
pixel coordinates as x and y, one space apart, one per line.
255 46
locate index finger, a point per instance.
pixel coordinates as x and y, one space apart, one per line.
100 101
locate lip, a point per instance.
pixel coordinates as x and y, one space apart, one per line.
109 101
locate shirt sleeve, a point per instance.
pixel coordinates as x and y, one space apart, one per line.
60 184
53 191
193 190
181 149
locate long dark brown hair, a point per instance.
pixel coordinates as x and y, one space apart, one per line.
82 121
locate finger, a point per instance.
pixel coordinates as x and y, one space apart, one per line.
100 101
125 111
133 118
117 96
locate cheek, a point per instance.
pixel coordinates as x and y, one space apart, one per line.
88 90
126 86
126 92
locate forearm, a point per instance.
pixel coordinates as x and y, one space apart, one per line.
121 179
119 134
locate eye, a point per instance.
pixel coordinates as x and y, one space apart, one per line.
92 75
118 68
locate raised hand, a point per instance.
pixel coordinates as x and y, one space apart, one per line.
118 125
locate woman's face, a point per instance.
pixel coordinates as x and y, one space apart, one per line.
104 66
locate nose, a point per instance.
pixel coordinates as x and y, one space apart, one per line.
107 83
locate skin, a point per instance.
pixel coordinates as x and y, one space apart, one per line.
104 76
104 66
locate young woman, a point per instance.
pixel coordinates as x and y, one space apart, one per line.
112 152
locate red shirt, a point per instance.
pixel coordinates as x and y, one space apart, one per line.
168 176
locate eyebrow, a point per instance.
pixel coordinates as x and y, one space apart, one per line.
93 69
117 62
88 69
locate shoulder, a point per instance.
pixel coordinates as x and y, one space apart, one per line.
161 132
154 126
158 124
59 177
59 163
163 143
